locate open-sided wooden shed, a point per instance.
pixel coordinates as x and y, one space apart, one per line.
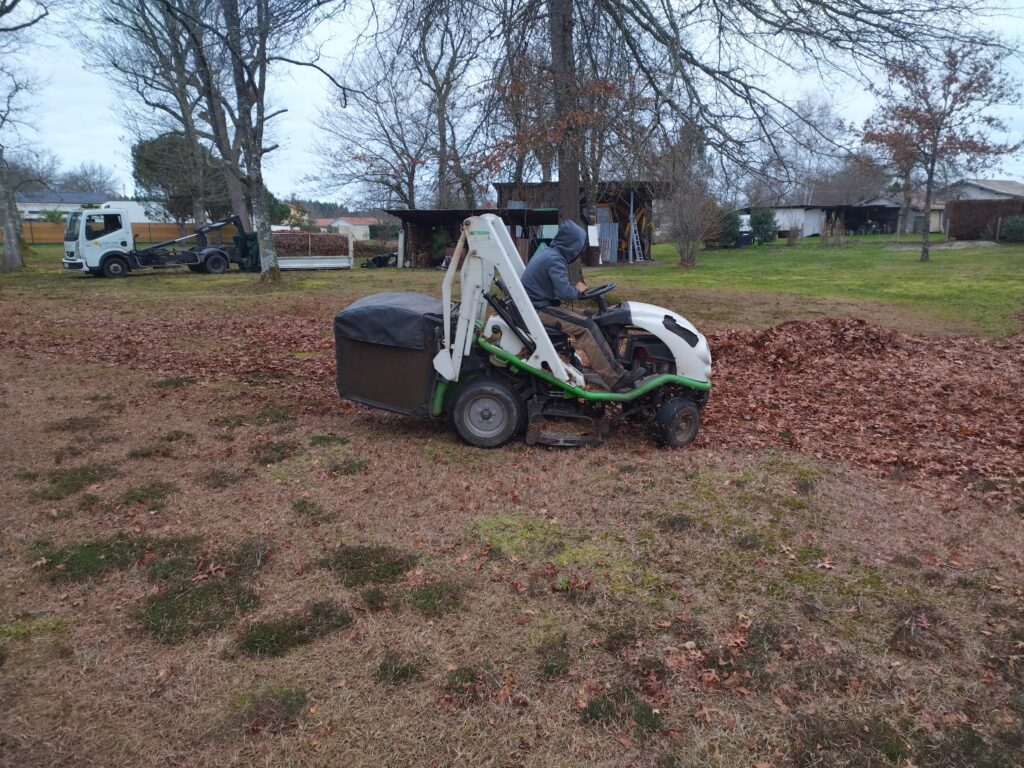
429 234
624 212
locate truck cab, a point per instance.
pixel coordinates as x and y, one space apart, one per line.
99 241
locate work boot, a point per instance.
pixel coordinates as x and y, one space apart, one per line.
628 380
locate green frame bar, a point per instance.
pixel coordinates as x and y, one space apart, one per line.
665 378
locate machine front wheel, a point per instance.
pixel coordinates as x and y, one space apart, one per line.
115 266
487 413
677 422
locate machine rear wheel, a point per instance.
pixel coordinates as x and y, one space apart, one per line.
216 264
677 422
115 266
487 413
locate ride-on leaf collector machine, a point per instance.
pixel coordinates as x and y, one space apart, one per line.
490 365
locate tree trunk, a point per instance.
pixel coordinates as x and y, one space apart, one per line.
929 191
444 194
9 223
904 214
269 271
563 66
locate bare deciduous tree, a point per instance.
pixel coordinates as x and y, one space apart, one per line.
944 113
17 19
378 141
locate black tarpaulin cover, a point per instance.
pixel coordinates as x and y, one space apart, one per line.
395 319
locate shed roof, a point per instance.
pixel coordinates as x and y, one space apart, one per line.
429 217
1002 186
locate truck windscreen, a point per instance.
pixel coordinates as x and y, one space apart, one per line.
71 230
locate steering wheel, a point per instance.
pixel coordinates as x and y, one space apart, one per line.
598 295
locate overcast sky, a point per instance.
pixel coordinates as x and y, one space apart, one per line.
77 111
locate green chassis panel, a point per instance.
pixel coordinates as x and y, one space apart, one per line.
665 378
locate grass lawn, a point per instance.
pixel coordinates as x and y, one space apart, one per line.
972 291
979 290
209 560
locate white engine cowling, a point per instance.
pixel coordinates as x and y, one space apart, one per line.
687 345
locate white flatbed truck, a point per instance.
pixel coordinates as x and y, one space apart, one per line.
101 242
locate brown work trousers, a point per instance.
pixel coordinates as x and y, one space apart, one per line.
586 338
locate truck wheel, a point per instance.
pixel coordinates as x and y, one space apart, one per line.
216 264
487 413
115 266
677 422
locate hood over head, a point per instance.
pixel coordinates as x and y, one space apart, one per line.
569 241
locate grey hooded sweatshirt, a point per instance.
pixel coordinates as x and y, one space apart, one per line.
546 277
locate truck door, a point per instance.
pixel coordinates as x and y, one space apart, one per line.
106 232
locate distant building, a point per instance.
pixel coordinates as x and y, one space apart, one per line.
33 205
878 214
984 189
357 226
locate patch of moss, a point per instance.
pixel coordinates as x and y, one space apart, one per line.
598 710
27 627
175 435
310 510
149 451
151 495
218 479
67 452
646 717
375 598
89 559
872 741
69 481
274 452
554 657
749 541
460 677
357 565
675 523
435 599
620 638
394 668
327 439
88 501
347 466
228 420
187 609
273 414
530 538
245 558
77 424
272 709
172 569
174 382
277 637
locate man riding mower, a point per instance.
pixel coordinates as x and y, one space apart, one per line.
497 365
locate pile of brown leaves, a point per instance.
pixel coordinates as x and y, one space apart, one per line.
849 391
